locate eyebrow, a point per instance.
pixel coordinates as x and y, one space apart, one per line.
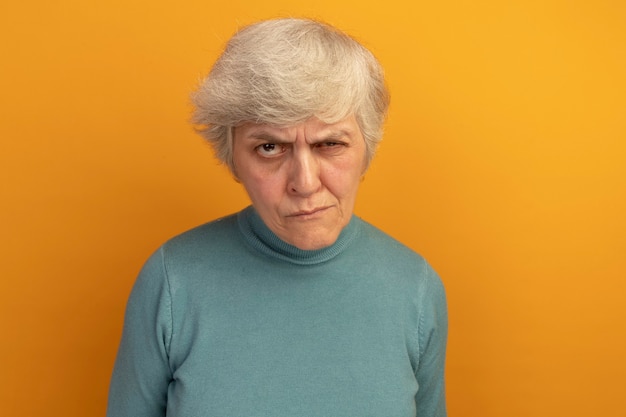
334 135
266 136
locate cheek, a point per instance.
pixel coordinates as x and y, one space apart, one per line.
343 180
262 189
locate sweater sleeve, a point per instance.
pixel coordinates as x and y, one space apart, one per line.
433 331
142 373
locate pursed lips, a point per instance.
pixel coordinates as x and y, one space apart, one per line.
304 213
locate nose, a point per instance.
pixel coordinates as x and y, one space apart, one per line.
304 174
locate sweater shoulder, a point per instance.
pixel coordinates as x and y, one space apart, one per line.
393 250
394 259
204 238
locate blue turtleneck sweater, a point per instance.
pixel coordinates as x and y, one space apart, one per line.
227 320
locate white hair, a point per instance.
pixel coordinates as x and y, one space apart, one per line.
284 71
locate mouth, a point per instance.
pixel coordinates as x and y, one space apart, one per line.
308 213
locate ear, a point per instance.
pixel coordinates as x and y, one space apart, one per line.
366 165
233 172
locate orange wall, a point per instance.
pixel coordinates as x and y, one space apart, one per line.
504 163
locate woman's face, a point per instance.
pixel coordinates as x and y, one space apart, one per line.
302 179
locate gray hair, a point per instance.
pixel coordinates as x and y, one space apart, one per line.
284 71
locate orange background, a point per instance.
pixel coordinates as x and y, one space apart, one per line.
504 163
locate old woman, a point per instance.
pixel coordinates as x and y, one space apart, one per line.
293 306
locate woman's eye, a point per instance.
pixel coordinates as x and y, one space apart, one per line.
269 149
330 145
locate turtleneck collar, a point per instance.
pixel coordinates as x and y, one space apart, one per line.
264 240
